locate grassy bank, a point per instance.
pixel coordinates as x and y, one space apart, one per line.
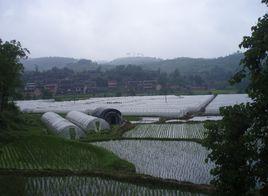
49 152
88 179
114 134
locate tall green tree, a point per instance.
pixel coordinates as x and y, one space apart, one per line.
11 52
239 144
255 66
228 143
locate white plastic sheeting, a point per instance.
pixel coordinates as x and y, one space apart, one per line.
146 120
61 126
86 122
226 100
153 106
196 119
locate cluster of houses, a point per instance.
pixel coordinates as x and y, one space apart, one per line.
62 87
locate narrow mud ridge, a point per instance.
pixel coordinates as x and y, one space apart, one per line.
139 179
202 110
199 112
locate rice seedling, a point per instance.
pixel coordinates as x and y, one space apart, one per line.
48 152
179 160
174 131
75 185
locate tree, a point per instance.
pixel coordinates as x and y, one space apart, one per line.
10 69
227 141
239 144
255 66
175 77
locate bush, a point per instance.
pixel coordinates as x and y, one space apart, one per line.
230 148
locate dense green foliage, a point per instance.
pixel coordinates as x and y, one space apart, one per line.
239 143
13 123
46 63
227 141
82 65
255 64
10 69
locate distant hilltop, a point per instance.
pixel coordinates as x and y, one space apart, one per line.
134 60
184 64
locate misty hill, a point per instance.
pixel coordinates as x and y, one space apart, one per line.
47 63
82 65
196 65
134 60
183 64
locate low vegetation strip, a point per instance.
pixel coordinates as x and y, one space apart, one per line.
174 131
178 160
80 185
48 152
132 178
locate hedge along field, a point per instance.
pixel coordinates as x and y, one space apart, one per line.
48 152
74 185
178 160
175 131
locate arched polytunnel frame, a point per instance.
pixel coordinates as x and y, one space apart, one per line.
111 115
61 127
86 122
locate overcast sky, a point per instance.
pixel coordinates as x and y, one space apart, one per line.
106 29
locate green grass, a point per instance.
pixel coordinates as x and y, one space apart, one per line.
13 124
225 91
132 118
72 97
33 123
207 92
115 133
83 96
49 152
25 144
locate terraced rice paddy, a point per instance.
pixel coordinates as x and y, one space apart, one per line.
37 152
174 131
179 160
74 185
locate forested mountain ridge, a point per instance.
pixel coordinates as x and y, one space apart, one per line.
185 65
46 63
190 65
82 65
134 60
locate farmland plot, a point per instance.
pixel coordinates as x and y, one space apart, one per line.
75 185
44 152
146 120
166 106
226 100
174 131
179 160
196 119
